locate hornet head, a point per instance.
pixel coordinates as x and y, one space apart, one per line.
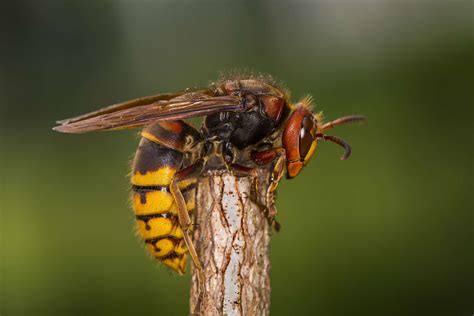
302 132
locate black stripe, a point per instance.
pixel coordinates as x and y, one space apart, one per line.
150 216
171 255
150 188
156 239
147 217
163 188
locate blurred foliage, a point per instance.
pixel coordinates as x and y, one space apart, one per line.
388 232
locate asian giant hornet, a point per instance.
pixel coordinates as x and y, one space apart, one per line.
249 123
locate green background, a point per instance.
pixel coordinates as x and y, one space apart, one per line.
388 232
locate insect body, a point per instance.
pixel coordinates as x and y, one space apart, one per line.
249 123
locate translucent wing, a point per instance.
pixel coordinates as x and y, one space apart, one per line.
126 105
140 112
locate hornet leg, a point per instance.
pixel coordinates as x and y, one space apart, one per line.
185 222
278 156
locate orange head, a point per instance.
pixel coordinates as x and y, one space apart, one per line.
299 139
303 130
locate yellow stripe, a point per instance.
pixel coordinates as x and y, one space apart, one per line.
161 176
156 227
156 202
159 202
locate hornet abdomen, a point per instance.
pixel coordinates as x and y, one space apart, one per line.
154 166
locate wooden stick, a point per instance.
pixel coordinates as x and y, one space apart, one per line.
232 238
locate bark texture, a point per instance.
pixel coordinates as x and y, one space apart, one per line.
232 237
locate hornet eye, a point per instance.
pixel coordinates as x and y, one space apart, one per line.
306 139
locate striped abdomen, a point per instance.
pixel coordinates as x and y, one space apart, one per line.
156 213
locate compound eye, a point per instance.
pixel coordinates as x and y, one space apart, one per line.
306 138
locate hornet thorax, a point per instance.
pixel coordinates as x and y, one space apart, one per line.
265 106
266 109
